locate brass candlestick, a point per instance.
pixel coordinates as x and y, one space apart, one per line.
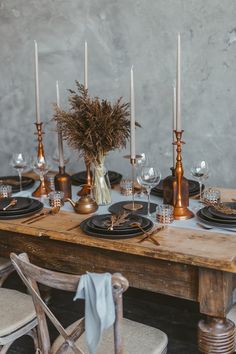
133 206
63 182
86 189
43 188
180 185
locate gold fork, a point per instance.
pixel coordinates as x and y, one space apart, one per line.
12 203
148 235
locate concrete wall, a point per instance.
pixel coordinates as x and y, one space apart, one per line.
119 34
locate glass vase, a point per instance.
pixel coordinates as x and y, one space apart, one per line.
101 184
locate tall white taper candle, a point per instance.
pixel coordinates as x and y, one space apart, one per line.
132 117
60 141
85 65
178 87
174 122
36 63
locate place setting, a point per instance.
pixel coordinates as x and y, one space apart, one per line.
120 226
221 215
14 184
19 207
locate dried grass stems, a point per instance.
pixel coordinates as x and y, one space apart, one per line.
94 126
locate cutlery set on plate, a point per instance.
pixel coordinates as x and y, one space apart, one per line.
21 207
221 216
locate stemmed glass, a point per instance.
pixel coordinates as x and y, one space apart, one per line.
140 162
149 177
41 167
200 171
19 162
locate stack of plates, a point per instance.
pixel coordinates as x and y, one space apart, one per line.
80 178
23 208
212 216
98 226
193 187
13 181
119 207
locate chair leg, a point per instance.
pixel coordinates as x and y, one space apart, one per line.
34 335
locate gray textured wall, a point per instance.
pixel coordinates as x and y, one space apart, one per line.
121 33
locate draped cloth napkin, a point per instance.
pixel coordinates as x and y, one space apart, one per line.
96 289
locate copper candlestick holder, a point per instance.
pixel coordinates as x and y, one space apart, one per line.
43 188
86 189
180 185
133 206
63 182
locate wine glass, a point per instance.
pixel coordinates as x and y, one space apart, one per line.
41 167
140 162
200 171
19 162
149 177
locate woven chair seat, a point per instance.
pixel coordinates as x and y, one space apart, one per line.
16 311
4 263
138 339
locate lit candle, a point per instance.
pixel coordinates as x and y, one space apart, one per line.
85 65
60 141
178 88
132 118
174 122
36 62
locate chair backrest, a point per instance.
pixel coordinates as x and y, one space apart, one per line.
32 274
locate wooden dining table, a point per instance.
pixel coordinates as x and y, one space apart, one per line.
192 264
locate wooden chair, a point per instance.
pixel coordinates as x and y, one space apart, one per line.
17 312
6 268
138 338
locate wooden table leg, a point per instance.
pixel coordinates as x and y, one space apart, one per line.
216 335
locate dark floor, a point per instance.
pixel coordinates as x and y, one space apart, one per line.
178 318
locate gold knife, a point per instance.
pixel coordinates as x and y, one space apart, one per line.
33 217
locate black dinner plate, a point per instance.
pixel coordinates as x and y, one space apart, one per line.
80 178
206 218
22 203
206 212
85 227
13 181
143 222
35 207
192 185
116 208
117 232
102 221
221 215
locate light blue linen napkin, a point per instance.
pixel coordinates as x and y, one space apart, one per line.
96 289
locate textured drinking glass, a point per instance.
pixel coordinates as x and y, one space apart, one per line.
56 199
165 213
5 191
126 187
211 196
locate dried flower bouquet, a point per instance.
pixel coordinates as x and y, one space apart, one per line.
94 127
